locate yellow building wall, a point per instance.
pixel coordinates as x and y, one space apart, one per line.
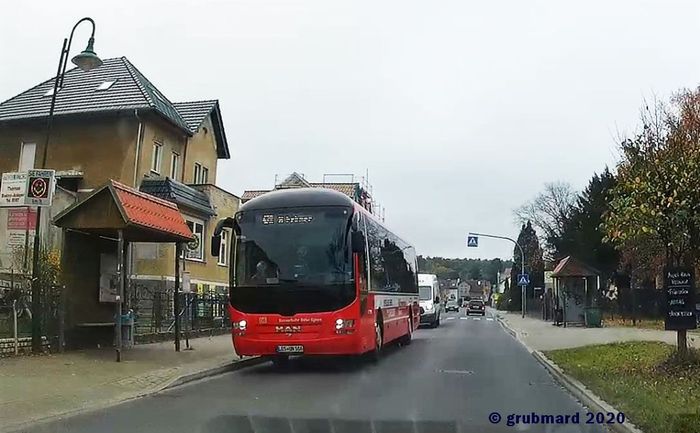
101 148
201 148
172 140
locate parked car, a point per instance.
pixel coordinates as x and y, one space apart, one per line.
452 306
476 307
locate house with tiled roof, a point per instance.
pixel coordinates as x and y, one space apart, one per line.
113 124
356 190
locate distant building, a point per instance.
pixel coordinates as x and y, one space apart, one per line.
360 192
503 280
479 289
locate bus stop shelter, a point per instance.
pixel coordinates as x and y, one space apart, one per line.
575 286
97 231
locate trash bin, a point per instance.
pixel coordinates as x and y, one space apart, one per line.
128 329
593 317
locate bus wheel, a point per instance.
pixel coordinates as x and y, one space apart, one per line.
406 339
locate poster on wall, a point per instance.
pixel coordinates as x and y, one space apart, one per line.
109 280
20 221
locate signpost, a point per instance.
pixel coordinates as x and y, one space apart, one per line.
31 188
680 302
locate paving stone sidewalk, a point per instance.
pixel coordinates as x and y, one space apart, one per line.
33 388
541 335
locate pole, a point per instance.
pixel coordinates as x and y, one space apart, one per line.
36 290
176 301
120 293
522 262
14 326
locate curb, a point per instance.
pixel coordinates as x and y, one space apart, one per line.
575 387
582 393
214 371
176 382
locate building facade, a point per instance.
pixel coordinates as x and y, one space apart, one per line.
112 123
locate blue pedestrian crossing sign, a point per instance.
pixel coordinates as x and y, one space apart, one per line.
523 279
472 241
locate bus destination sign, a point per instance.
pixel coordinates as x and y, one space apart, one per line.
680 302
270 219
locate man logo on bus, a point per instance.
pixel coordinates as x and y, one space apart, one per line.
288 329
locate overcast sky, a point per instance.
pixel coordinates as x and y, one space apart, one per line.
459 110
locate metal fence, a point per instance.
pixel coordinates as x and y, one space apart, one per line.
153 311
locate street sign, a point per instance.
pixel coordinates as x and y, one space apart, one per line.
40 186
13 189
523 279
472 241
680 303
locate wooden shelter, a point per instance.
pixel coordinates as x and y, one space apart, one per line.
97 231
573 280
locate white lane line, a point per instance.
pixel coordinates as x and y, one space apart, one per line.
490 319
476 318
449 318
464 318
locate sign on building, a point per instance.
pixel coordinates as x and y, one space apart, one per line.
31 188
680 302
40 187
20 223
13 190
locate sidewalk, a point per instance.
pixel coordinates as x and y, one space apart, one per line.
541 335
33 388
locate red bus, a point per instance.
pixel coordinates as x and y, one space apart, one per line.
314 273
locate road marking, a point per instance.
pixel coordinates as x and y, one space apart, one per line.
449 318
464 318
476 318
490 319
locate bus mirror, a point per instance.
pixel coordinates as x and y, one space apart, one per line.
215 245
358 242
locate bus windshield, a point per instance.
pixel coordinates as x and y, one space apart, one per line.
294 258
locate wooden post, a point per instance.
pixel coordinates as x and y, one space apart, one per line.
176 301
120 293
682 341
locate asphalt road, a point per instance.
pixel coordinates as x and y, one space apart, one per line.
449 380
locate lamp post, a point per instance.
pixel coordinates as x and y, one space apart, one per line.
522 263
86 60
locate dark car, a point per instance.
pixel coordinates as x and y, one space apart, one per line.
476 307
452 306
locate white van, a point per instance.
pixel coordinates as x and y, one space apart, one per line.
429 299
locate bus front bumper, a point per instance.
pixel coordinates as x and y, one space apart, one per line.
346 344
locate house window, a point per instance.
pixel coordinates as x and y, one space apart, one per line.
174 165
223 249
157 157
194 250
26 156
201 174
197 172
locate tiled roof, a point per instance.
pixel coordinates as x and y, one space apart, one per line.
572 267
346 188
176 192
150 212
248 195
195 112
131 90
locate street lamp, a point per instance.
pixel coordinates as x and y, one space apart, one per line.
86 61
522 264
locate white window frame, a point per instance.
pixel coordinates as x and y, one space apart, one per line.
174 164
157 157
222 260
22 156
197 173
204 176
194 256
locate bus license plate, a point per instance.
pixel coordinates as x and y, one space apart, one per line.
290 349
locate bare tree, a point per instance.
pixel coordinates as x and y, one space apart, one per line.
548 211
